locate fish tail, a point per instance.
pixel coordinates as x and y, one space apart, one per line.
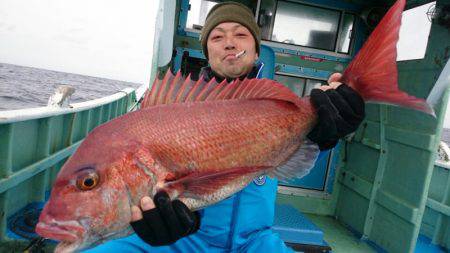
373 72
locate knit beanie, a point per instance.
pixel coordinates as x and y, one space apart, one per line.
230 12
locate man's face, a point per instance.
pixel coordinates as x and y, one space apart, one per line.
224 42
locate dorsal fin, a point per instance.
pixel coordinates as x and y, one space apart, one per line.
150 94
176 89
184 89
172 90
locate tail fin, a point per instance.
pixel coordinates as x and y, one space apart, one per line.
373 72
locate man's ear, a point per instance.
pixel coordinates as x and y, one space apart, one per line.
256 56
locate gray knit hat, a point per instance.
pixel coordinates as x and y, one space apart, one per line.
230 12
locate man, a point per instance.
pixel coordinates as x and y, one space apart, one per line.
243 221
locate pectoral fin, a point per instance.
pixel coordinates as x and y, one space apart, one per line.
299 164
209 186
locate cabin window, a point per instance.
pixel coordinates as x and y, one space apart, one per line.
299 85
198 9
414 33
314 27
298 24
345 38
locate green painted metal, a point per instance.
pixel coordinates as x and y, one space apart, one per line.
391 215
34 149
379 175
439 207
383 196
339 237
436 219
35 168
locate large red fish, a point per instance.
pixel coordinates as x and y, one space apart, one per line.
202 142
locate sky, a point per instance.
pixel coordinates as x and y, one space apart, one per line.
114 38
414 34
104 38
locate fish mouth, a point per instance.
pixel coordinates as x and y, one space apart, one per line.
92 241
73 237
66 231
69 233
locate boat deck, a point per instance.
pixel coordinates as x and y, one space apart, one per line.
338 237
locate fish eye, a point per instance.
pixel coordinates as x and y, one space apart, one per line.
88 180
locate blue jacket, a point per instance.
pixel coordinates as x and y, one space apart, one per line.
232 221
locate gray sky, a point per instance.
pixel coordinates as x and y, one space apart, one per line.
414 34
104 38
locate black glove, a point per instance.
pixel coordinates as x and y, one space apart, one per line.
340 112
167 222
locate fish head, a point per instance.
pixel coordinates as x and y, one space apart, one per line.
90 201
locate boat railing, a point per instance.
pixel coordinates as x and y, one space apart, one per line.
443 156
437 211
35 143
46 111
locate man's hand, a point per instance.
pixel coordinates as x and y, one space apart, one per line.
340 110
165 223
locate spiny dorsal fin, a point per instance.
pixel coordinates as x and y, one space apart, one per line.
184 89
176 89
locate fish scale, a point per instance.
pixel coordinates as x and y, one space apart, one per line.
201 142
230 130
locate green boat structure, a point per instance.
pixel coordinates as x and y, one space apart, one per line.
385 188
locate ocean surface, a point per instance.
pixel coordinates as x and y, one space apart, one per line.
25 87
446 135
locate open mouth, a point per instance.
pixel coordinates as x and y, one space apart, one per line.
73 237
69 233
60 230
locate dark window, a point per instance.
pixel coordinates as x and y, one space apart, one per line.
299 85
345 38
304 25
314 27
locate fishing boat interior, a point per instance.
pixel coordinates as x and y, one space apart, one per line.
385 188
